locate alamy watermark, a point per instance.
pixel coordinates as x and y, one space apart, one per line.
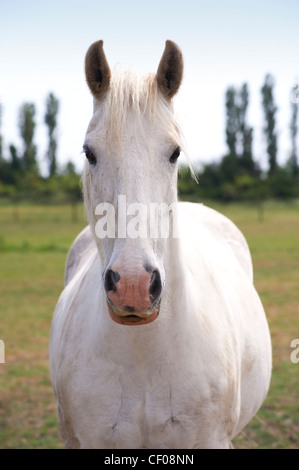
136 220
2 352
295 353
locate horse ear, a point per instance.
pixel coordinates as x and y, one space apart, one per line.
170 70
97 70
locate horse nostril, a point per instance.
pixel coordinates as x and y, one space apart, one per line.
155 288
111 279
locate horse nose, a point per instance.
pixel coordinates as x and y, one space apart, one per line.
133 292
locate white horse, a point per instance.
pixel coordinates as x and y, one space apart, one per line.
156 342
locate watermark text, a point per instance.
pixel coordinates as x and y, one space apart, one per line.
295 353
136 220
2 352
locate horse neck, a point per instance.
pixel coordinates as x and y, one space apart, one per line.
176 277
174 304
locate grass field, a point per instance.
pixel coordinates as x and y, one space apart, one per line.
33 247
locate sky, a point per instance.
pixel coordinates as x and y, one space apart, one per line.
224 43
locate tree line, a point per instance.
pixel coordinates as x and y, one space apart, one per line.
236 176
20 174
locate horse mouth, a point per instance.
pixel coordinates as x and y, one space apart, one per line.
128 316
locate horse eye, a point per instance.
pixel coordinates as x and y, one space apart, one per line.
89 155
175 155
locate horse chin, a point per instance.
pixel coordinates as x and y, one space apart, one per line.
139 318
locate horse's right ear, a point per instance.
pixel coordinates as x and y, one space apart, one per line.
97 70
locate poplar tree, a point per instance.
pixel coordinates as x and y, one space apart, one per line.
238 133
246 132
270 122
294 131
51 121
27 127
231 120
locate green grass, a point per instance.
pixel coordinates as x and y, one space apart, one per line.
34 241
33 250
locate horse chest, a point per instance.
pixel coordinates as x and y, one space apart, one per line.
135 410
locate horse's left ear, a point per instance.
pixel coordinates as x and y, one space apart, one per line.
170 70
97 70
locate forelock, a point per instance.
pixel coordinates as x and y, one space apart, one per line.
132 94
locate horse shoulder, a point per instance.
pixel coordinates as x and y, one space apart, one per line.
220 228
74 257
212 239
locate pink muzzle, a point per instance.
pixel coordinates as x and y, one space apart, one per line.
133 299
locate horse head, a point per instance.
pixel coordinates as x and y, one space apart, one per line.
132 145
